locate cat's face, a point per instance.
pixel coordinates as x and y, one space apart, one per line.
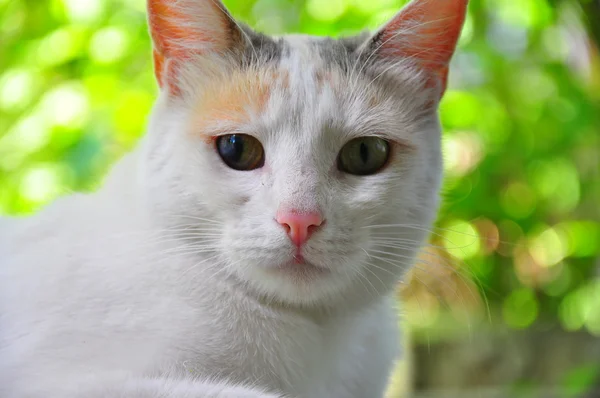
316 161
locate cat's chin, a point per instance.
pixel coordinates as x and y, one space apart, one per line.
296 283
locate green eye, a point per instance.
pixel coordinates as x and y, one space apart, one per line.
364 156
241 151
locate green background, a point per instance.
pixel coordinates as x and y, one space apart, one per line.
517 243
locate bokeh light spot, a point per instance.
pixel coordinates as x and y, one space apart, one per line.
462 152
16 89
466 35
41 184
518 200
273 16
557 181
109 45
461 239
525 13
556 44
510 40
85 11
581 308
583 237
460 109
326 10
60 46
369 7
548 248
14 17
520 308
490 235
27 136
66 106
139 5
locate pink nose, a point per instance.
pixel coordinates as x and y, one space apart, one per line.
299 226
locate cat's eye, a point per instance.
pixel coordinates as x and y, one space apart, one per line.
241 151
364 156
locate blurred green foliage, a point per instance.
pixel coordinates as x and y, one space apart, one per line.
521 217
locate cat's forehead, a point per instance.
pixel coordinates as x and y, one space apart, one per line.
296 80
324 52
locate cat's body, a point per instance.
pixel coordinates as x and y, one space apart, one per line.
150 317
178 272
111 328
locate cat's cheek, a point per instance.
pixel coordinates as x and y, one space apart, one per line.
228 191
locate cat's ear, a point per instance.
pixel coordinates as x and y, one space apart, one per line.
183 29
425 31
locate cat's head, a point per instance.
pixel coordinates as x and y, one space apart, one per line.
310 166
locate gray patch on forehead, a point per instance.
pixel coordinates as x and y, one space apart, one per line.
342 53
260 48
359 54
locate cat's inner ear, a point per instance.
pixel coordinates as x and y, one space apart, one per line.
184 29
425 32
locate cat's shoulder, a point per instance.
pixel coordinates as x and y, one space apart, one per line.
59 212
23 238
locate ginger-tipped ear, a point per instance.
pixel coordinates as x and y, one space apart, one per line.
425 31
182 29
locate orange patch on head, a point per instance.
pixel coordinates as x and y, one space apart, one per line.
331 78
232 99
325 77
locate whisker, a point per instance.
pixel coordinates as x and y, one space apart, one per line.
196 218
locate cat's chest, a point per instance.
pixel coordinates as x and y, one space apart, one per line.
289 353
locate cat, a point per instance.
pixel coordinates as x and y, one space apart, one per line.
251 244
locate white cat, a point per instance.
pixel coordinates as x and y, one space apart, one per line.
251 244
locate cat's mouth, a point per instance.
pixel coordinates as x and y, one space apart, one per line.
299 267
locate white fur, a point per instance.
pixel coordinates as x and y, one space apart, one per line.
166 278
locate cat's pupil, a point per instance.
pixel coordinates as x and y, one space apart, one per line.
235 148
364 153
